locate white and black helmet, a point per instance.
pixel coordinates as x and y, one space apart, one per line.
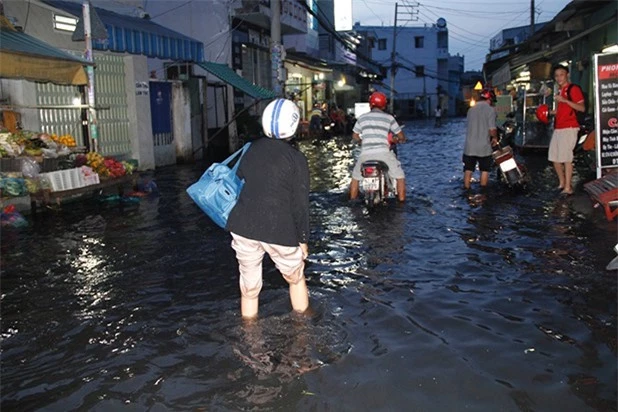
280 119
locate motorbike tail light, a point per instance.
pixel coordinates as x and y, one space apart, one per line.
368 171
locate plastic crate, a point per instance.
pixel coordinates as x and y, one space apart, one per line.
73 178
11 164
55 179
92 179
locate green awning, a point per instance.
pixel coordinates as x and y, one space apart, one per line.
26 57
229 76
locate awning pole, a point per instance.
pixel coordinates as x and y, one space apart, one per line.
92 113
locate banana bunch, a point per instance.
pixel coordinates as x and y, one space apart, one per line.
66 139
97 163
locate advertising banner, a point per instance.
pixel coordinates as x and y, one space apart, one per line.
606 116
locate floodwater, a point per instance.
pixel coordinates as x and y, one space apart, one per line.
493 301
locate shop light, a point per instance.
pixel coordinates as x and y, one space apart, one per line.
610 49
77 100
524 73
472 102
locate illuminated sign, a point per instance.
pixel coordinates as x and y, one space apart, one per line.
343 15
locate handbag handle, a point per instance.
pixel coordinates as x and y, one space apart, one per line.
242 152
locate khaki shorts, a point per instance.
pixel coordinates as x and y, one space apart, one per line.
394 165
562 143
250 253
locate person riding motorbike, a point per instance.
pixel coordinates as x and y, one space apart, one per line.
315 123
372 129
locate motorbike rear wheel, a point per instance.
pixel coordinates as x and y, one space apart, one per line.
370 198
513 177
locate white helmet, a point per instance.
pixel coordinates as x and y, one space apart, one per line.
280 119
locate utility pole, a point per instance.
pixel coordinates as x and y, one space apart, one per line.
531 18
277 51
92 113
409 10
391 106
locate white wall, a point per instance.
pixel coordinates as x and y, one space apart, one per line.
22 93
140 117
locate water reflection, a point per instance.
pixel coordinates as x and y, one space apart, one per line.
450 301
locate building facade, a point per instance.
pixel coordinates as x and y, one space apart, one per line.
425 74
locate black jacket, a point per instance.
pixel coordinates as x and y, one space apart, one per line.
273 206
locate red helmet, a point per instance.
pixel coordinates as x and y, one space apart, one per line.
378 100
487 94
542 113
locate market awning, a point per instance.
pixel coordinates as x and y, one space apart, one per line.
25 57
229 76
136 35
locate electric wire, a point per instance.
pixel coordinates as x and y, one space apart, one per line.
172 9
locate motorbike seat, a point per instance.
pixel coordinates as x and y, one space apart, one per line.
377 164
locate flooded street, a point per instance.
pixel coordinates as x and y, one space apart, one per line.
493 301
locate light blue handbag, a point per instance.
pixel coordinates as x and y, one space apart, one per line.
217 191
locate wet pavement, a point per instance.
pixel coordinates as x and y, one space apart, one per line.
452 301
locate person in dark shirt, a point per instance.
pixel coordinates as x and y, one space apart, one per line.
272 212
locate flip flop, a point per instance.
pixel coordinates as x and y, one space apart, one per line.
565 193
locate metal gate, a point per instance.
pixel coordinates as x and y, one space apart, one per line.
111 95
59 121
111 103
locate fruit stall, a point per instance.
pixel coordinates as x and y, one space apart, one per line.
37 169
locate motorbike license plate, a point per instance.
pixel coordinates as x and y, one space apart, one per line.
371 183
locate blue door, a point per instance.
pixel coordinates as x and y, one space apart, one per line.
161 111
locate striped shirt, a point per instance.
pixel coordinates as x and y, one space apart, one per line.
373 127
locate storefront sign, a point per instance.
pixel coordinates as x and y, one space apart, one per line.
141 88
606 116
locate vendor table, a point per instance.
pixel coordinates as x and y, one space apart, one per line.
46 197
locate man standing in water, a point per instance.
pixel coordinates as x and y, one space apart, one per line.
481 135
372 129
272 213
566 127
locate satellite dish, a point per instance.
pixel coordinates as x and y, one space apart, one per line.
441 23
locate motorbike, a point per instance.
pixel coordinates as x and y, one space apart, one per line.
328 128
586 142
509 170
377 185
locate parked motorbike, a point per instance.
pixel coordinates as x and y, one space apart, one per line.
509 171
377 185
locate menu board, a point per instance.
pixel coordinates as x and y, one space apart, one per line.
606 76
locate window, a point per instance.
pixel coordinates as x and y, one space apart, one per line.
64 23
381 44
420 71
371 42
419 42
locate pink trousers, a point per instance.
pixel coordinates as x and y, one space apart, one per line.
250 253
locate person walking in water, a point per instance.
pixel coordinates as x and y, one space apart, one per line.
272 213
438 115
481 135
